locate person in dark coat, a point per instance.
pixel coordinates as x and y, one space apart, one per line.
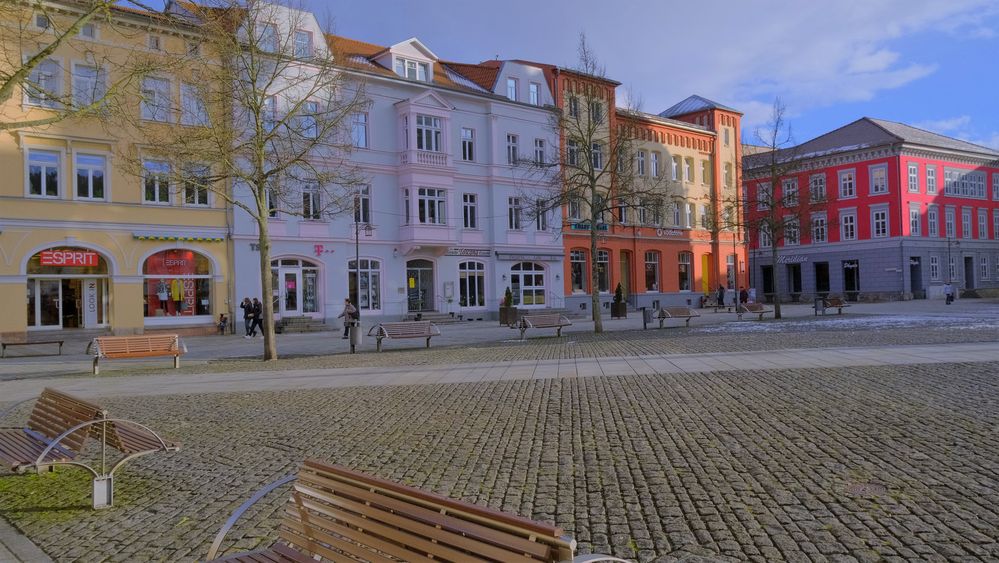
258 318
743 295
721 295
247 308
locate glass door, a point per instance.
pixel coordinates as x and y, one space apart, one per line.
48 303
291 287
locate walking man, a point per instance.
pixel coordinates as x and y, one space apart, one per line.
258 318
349 313
247 308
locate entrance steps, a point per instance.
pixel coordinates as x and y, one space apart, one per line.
288 325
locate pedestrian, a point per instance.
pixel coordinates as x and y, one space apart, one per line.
743 295
721 295
247 308
258 318
349 314
949 292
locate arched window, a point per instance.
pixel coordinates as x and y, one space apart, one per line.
685 272
472 284
527 282
294 286
177 283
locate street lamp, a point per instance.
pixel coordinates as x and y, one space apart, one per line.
357 264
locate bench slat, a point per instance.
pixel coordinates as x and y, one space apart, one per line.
351 540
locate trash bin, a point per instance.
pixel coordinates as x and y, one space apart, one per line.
820 308
354 333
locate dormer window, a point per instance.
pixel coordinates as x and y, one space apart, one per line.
303 44
268 38
411 69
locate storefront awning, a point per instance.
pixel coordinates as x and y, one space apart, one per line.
188 238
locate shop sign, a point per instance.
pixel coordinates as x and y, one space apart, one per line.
68 258
319 250
792 259
670 233
528 257
456 251
586 226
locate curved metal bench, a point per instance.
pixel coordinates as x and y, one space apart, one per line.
408 329
337 514
542 320
118 347
755 309
59 427
685 313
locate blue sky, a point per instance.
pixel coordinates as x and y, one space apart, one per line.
928 63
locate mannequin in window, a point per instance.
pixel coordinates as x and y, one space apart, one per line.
177 295
163 294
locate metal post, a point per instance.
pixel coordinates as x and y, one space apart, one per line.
357 268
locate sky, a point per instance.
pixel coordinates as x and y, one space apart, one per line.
932 64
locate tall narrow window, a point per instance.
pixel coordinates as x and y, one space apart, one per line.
44 85
817 188
196 186
651 271
596 112
472 284
541 218
512 148
879 180
654 165
705 172
535 94
983 224
640 163
43 173
622 211
359 130
157 182
995 186
155 104
572 153
192 107
984 267
792 232
303 44
573 106
914 223
511 89
675 168
949 230
369 296
577 267
934 268
690 216
965 223
879 223
89 85
684 273
470 211
847 184
688 170
467 144
819 229
913 177
90 173
312 205
428 133
597 151
848 227
932 222
575 209
539 151
931 179
790 188
431 206
362 211
603 271
268 113
514 213
308 122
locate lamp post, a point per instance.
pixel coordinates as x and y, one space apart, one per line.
356 322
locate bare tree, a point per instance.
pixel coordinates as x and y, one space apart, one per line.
774 212
33 32
265 124
594 175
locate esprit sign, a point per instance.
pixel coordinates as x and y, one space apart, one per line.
68 258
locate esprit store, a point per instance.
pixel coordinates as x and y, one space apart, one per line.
177 285
67 288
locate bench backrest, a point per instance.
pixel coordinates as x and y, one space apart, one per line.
335 511
56 412
543 319
409 328
834 302
754 307
680 311
124 345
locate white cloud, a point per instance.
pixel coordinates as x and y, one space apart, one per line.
945 125
961 127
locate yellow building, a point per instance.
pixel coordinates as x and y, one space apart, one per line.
87 242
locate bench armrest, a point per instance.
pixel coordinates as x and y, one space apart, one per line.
434 331
217 543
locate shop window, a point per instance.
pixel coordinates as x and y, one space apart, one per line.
603 271
577 269
177 283
527 282
472 284
685 273
369 296
652 271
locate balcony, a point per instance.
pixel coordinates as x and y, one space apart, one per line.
428 159
428 234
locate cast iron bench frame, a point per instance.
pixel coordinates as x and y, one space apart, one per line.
4 345
542 320
755 309
144 346
404 329
685 313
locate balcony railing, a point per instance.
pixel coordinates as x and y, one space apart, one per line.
425 158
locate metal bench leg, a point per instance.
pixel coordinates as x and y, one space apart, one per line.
176 362
558 332
96 369
60 348
688 323
522 331
378 343
428 342
103 492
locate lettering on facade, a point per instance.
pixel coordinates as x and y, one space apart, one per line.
320 249
528 257
792 259
254 247
455 251
68 258
586 226
669 233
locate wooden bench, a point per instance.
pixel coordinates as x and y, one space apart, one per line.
337 514
834 303
685 313
755 309
542 320
58 429
119 347
407 329
4 345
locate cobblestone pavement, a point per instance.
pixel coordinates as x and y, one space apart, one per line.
745 465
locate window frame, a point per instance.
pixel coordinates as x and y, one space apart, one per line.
206 190
189 92
880 222
359 125
851 224
362 214
101 86
820 224
468 144
515 214
149 110
309 51
913 175
874 173
43 100
656 261
512 89
841 176
90 185
534 93
431 202
470 211
512 148
468 270
159 188
60 156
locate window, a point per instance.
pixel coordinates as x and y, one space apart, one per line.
369 298
965 223
177 283
596 112
792 232
848 227
995 186
651 271
268 38
43 173
527 282
705 172
470 211
790 188
949 223
539 151
675 168
154 42
196 186
193 49
964 183
512 146
676 215
303 44
951 270
995 224
157 182
467 144
704 216
932 222
640 161
913 177
819 229
431 206
655 165
688 169
728 175
817 188
362 209
983 225
541 219
308 122
847 184
534 91
44 84
879 179
984 267
89 85
511 89
879 223
577 267
42 21
690 215
914 222
725 135
934 268
273 205
765 239
572 153
597 152
622 212
428 133
90 173
684 273
575 209
268 113
88 31
931 179
764 196
359 130
471 284
573 106
603 271
514 212
155 104
192 107
412 69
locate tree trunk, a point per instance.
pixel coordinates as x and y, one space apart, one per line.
267 288
774 253
598 324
